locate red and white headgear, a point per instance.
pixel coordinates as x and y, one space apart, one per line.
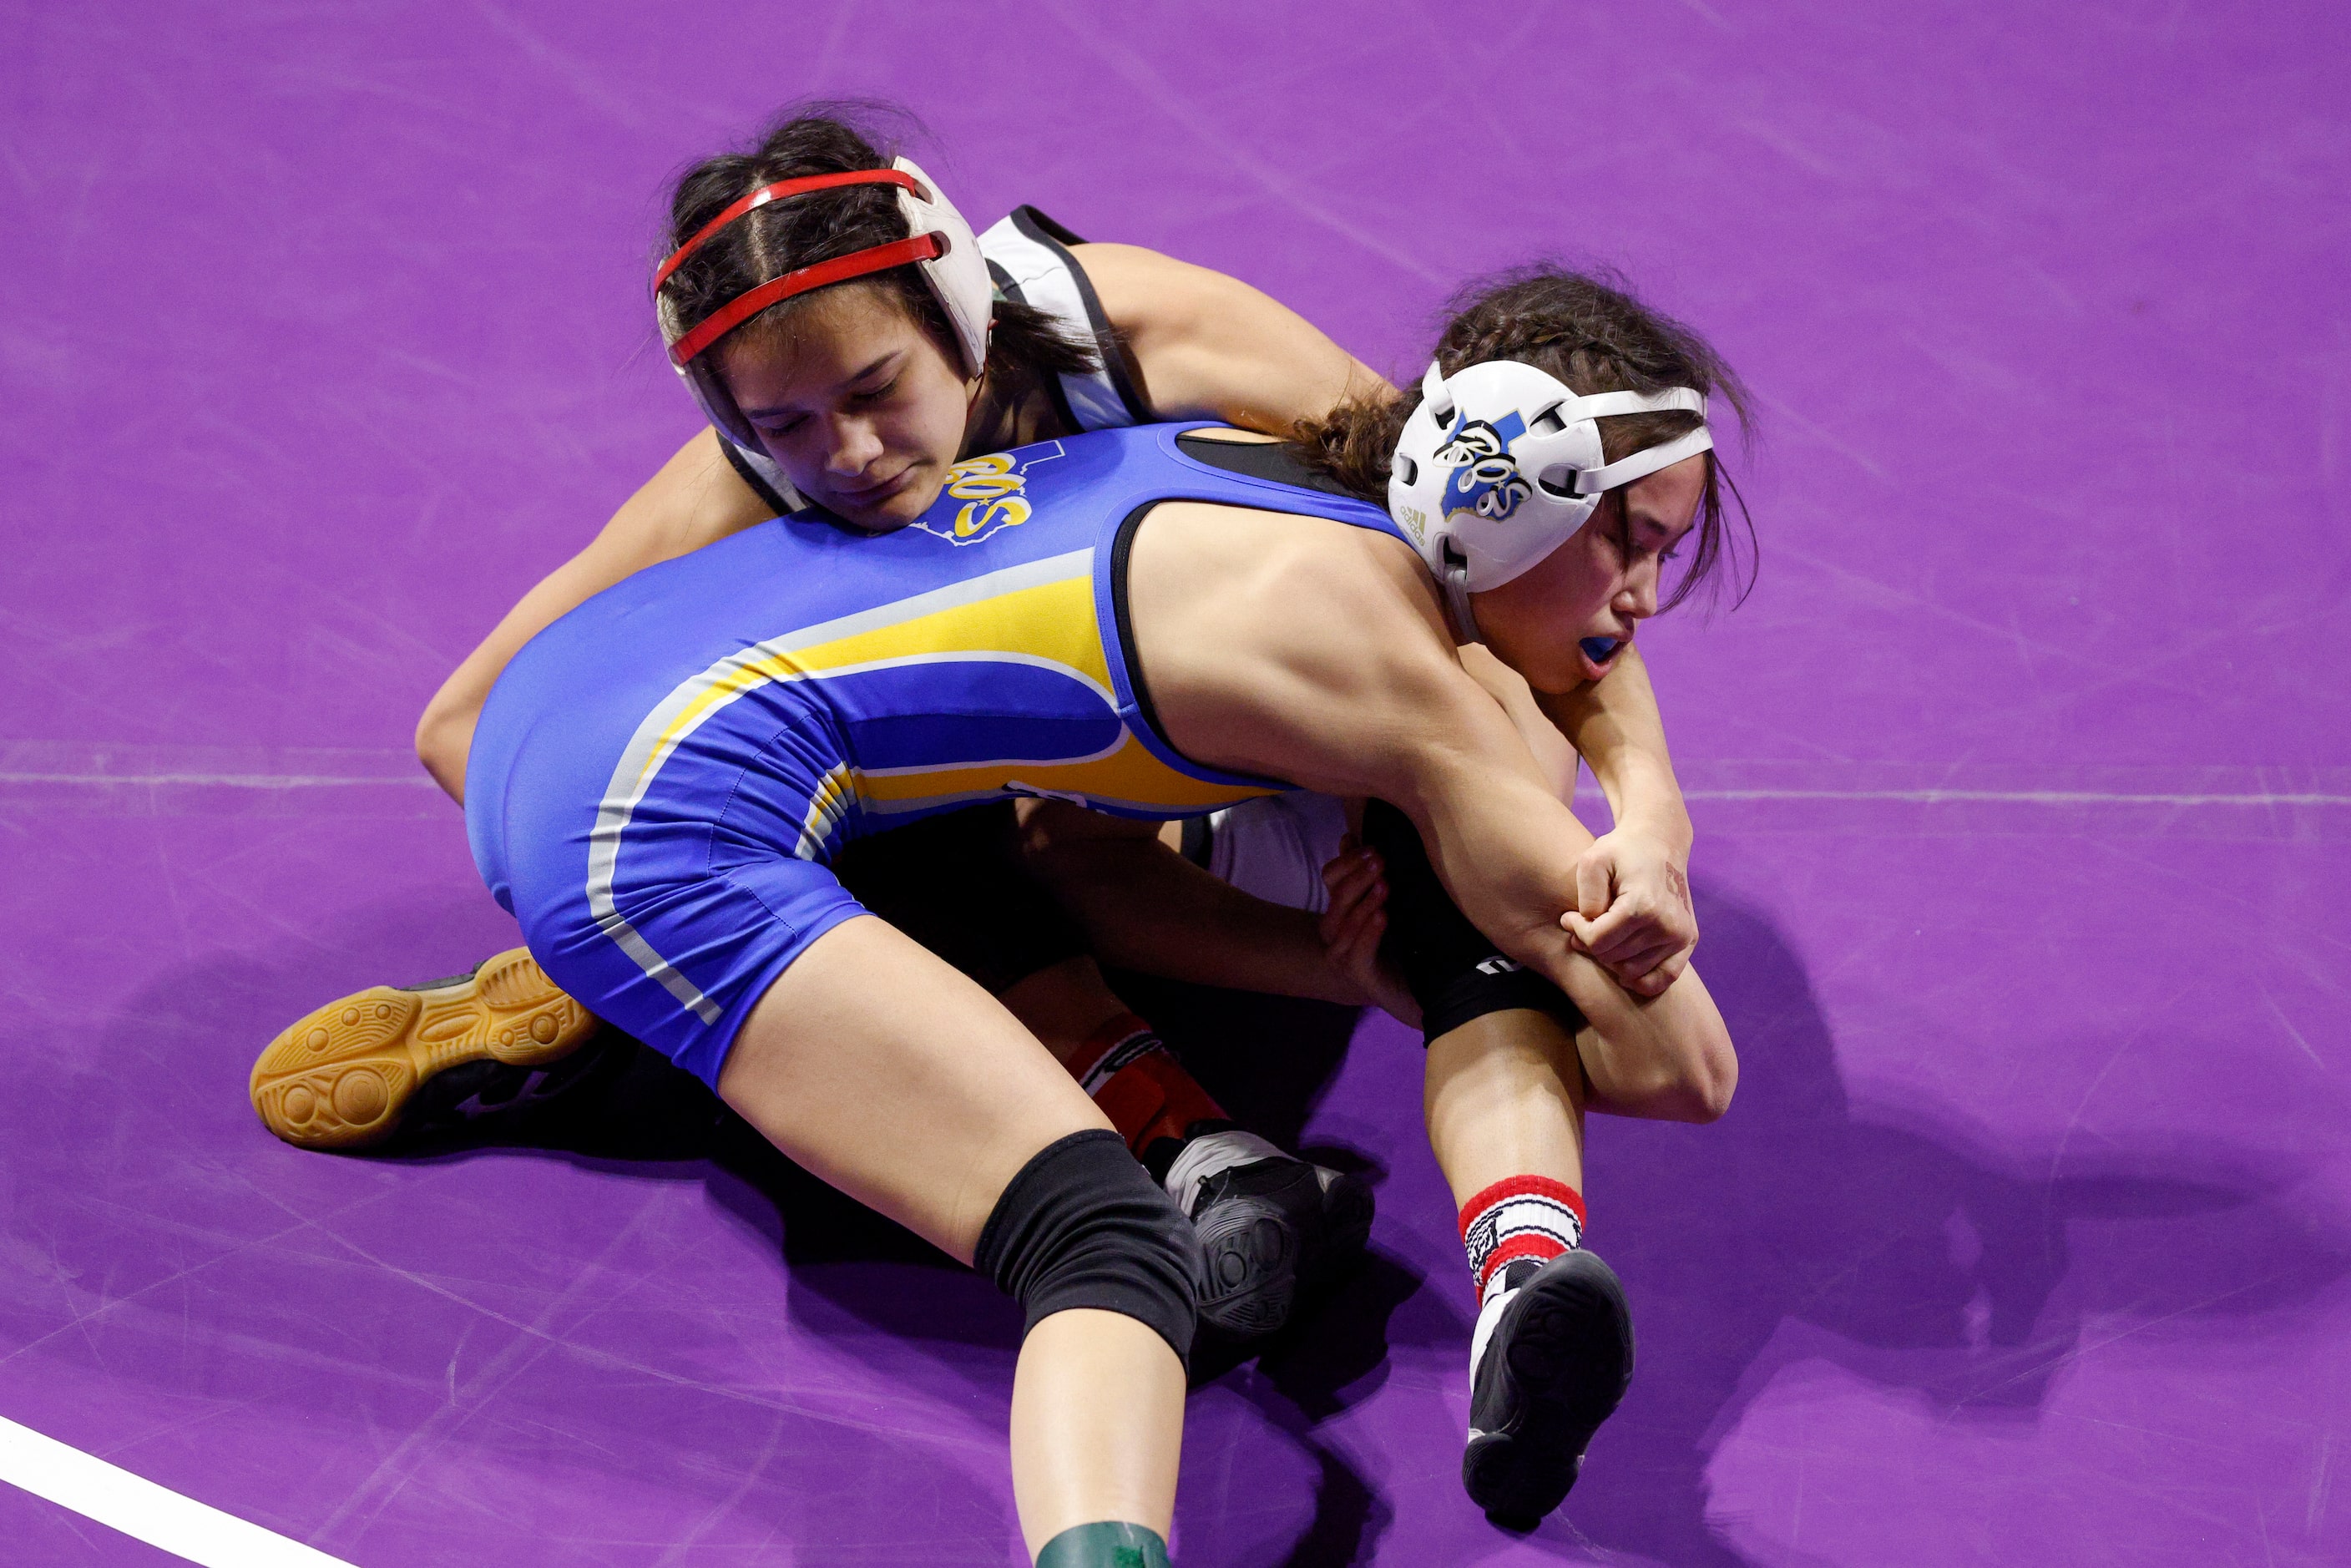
939 244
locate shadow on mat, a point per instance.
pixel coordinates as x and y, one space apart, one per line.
1267 1059
135 1225
1899 1246
1904 1247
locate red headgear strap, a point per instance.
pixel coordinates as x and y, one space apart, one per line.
743 306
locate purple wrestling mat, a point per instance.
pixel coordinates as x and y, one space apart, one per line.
2023 782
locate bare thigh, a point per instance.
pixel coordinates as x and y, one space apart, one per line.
890 1075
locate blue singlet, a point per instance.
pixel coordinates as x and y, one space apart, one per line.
661 777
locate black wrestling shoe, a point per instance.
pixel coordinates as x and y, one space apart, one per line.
1552 1358
1269 1226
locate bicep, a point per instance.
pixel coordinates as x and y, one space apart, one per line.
1210 346
1377 702
1401 721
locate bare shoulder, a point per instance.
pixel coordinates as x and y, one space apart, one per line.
1286 645
1241 560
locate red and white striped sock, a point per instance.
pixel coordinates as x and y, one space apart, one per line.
1522 1216
1142 1088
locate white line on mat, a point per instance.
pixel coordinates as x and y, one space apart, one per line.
224 780
2018 797
139 1508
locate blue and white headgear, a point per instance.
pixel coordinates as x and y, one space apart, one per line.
1501 465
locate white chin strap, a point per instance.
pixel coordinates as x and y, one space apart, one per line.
1456 579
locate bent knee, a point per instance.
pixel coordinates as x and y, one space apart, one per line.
1083 1225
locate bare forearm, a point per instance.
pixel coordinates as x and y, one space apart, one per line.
1206 344
1503 851
1615 725
693 500
1145 907
445 735
1506 848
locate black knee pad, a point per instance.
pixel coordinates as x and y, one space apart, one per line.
1083 1225
1455 972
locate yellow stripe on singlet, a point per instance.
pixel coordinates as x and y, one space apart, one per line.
1051 624
1041 613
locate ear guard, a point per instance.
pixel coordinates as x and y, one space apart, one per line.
1502 463
939 246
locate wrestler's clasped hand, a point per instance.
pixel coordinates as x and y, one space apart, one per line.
1353 924
1633 914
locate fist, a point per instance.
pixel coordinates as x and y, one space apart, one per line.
1633 913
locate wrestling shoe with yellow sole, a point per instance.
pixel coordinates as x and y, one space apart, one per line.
345 1076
